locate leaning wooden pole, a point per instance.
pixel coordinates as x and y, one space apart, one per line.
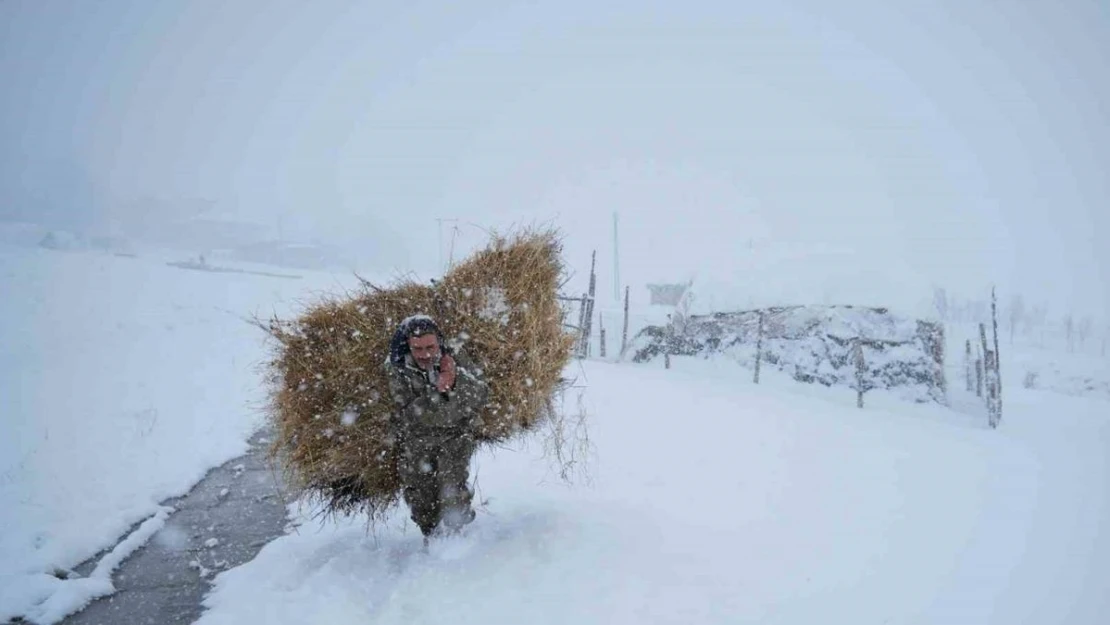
590 301
582 337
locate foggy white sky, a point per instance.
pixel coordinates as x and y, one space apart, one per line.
954 142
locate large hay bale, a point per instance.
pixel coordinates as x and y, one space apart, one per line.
330 400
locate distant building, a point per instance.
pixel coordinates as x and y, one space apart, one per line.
667 294
290 254
188 225
214 233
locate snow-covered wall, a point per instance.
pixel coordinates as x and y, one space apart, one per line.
814 344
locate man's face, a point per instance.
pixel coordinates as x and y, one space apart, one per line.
425 350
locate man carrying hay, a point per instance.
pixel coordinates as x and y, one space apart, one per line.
357 437
438 396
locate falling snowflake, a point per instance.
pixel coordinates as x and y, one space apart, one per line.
496 307
348 417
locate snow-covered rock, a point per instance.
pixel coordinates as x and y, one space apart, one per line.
814 344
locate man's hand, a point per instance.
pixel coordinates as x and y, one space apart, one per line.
447 373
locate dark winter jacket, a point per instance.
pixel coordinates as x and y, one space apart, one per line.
420 407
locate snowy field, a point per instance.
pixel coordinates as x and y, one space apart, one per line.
122 381
716 501
711 500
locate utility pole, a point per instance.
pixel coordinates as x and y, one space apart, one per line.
451 254
439 222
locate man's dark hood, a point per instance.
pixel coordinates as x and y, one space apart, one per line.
414 325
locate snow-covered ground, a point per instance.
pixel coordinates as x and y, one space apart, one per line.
122 381
1082 374
717 501
712 500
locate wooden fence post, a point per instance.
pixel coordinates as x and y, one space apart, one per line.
667 344
997 362
968 366
624 330
988 374
759 347
861 372
601 332
979 377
